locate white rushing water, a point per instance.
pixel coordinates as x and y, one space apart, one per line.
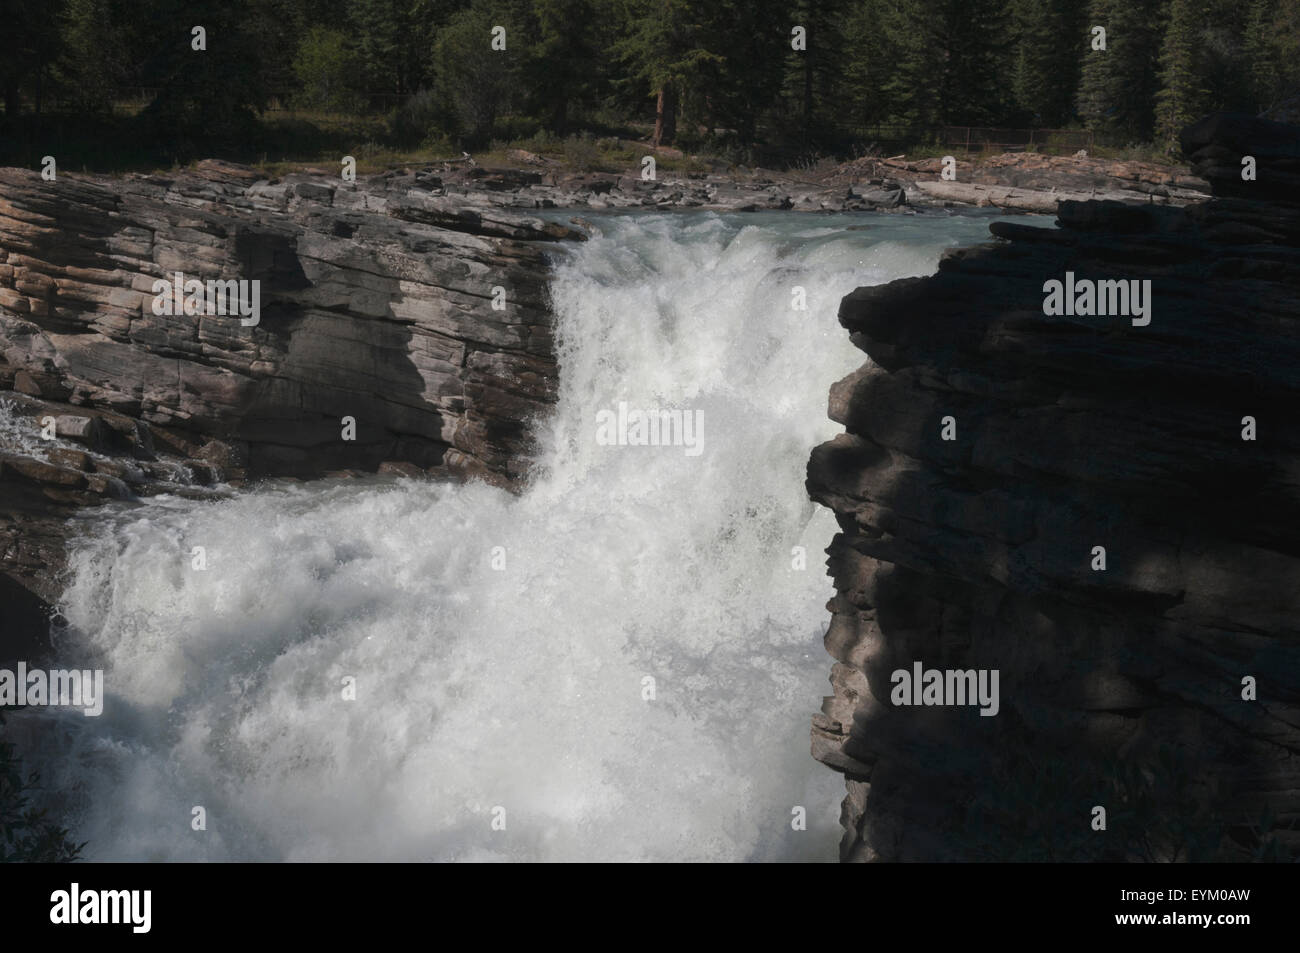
521 687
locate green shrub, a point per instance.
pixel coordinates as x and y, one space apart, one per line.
581 154
516 128
423 118
328 69
476 83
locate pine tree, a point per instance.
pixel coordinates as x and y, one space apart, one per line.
1118 85
1046 73
393 39
940 61
975 42
1182 93
714 62
481 84
813 95
909 45
884 59
564 66
663 50
206 98
742 77
31 47
328 71
1263 65
93 64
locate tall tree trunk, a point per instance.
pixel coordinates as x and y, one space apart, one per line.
665 115
11 99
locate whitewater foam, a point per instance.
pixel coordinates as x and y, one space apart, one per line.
520 687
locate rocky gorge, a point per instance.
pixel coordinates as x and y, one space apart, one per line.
396 335
410 306
406 330
1102 513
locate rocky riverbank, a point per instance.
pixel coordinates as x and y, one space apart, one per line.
1020 181
411 303
1101 512
404 325
397 333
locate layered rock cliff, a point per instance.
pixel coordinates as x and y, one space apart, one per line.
1110 526
398 331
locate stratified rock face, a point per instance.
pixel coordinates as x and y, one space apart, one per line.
1164 687
397 333
377 303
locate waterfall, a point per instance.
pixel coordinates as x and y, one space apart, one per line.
620 663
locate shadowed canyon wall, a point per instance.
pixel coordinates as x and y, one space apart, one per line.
1164 687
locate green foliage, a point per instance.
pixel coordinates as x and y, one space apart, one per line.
582 154
1046 48
93 38
931 62
1271 53
722 72
1183 93
328 70
664 43
393 40
31 47
812 81
564 68
1262 53
478 83
863 90
26 833
1220 54
421 118
209 96
1118 85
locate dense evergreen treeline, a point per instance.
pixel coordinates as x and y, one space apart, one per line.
721 70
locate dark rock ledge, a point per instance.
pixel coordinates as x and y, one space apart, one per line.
1120 688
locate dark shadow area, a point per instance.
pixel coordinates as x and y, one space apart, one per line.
1110 528
24 624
